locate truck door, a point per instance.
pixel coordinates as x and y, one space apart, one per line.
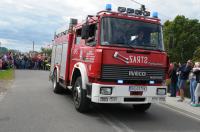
76 46
88 49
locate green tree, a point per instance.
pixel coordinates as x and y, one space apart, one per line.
3 50
46 51
181 38
196 55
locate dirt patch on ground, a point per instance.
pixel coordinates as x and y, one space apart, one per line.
5 85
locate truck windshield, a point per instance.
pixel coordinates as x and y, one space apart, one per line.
131 33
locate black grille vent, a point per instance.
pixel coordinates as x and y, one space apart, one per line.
134 99
115 72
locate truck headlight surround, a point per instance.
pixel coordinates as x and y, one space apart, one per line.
106 90
161 91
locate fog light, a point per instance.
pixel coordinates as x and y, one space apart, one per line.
161 91
106 90
120 81
151 82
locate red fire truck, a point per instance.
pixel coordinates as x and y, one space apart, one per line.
112 57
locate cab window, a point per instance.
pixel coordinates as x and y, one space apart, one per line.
92 34
78 36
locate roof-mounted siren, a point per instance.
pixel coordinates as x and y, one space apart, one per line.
108 7
72 23
130 10
146 13
155 14
121 9
127 10
142 11
138 12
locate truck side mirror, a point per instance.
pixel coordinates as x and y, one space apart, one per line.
85 32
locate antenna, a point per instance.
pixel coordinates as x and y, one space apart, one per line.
142 5
136 2
142 8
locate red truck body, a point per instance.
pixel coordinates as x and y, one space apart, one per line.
100 71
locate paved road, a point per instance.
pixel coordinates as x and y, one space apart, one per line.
31 106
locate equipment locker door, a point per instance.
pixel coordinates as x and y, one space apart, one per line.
63 61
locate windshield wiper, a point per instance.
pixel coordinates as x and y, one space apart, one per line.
129 45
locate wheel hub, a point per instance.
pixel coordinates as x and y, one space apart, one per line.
77 95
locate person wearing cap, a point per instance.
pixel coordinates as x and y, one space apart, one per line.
184 74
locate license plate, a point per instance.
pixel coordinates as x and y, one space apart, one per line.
155 99
137 88
108 99
158 99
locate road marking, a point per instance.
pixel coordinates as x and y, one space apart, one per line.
117 125
183 112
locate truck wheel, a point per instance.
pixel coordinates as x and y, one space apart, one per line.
141 107
80 99
56 87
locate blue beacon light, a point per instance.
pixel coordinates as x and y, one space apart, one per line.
108 7
155 14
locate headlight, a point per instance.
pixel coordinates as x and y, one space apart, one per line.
106 90
161 91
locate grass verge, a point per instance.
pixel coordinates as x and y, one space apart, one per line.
6 74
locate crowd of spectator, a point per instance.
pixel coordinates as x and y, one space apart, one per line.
180 75
6 61
22 61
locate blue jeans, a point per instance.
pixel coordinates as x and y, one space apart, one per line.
197 93
193 85
178 82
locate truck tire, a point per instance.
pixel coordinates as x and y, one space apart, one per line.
81 102
56 87
141 107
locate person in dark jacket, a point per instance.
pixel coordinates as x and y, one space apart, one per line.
174 80
184 74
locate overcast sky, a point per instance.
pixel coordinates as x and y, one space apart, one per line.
22 21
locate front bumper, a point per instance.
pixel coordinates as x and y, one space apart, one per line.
121 94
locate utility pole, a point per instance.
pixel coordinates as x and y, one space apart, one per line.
33 45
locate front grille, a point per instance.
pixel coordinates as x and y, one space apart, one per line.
127 73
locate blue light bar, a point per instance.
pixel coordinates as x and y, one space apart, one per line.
120 81
108 7
155 14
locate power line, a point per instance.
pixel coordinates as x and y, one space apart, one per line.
136 2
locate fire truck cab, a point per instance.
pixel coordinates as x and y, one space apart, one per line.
112 57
